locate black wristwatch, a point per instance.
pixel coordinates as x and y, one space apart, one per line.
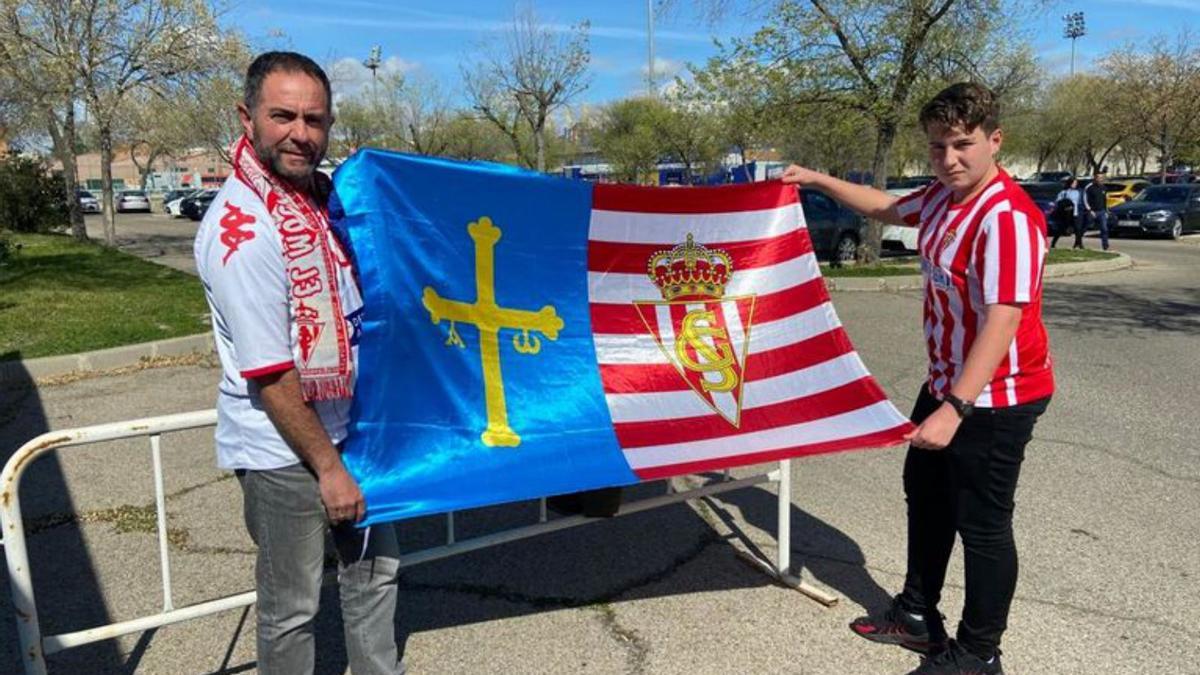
963 408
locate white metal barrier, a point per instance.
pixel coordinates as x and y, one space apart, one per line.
35 646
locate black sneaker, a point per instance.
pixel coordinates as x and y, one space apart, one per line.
894 626
954 660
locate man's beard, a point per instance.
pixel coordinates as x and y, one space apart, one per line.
272 158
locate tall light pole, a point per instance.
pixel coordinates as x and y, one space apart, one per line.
374 61
650 47
1073 29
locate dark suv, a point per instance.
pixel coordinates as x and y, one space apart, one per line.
835 231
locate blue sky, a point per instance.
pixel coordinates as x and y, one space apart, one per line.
429 38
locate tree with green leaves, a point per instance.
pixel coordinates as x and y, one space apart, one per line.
38 48
872 57
628 138
740 96
164 46
690 134
1157 91
470 137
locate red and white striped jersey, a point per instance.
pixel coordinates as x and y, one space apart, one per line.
989 250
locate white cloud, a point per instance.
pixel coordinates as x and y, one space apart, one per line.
349 75
663 68
459 23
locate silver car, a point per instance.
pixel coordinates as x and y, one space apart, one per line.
132 200
87 201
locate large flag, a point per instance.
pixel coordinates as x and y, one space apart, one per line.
525 335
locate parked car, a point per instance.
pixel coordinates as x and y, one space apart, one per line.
1162 210
131 200
1159 179
196 205
1120 190
1050 177
87 201
900 238
1059 177
835 230
909 183
173 201
1043 194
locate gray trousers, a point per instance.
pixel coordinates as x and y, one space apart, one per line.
287 522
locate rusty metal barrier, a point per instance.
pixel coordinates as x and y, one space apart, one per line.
35 646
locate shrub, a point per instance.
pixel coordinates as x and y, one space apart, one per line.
7 247
31 200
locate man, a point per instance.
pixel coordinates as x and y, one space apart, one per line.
982 245
1096 201
285 311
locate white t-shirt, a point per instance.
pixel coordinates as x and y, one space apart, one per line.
240 260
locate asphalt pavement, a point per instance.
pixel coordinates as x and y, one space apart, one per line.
1106 524
154 236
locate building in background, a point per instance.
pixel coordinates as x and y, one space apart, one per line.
196 168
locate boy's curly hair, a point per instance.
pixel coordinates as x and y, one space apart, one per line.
965 104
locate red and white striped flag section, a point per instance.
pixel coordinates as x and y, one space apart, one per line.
716 339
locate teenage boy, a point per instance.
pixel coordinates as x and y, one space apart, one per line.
982 245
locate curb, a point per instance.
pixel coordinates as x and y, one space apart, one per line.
915 282
104 359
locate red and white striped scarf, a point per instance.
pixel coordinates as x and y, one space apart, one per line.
320 341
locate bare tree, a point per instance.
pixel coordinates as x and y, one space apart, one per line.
536 71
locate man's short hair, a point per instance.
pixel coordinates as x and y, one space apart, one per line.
289 62
965 104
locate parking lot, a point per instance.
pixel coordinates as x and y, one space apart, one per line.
1106 523
154 236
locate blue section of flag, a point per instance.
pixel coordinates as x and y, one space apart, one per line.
420 408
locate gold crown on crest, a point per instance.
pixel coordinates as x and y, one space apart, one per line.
690 271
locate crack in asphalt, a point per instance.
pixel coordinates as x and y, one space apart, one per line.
1146 466
637 648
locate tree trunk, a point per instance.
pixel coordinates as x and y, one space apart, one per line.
870 250
1165 157
63 138
106 186
539 140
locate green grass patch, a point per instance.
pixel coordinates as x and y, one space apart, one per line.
908 265
1066 255
58 296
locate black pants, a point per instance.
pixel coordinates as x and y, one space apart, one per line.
1066 226
967 489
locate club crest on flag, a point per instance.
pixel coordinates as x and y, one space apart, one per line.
308 331
703 334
